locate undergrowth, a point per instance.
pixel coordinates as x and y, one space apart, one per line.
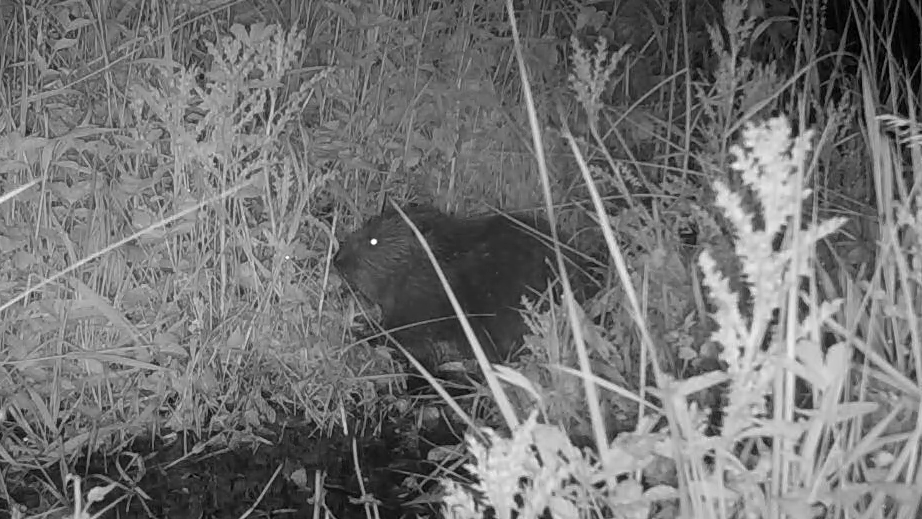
174 183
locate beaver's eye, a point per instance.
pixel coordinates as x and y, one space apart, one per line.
373 241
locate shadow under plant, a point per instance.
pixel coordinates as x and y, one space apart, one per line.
285 468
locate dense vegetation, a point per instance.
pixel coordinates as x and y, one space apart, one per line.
743 178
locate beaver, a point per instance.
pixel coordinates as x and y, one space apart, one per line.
489 261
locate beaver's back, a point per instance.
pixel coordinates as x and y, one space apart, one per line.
489 261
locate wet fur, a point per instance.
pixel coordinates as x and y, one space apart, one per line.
489 261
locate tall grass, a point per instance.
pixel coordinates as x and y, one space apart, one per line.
774 455
174 183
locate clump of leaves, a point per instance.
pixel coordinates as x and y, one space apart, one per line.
538 470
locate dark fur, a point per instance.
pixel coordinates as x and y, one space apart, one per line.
489 261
